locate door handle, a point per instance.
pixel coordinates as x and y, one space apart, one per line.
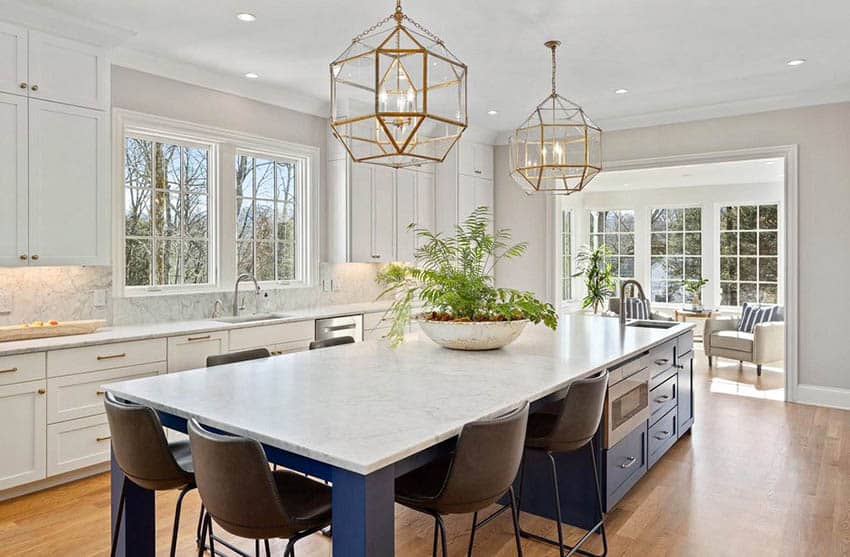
204 337
106 438
111 357
628 463
663 398
663 435
662 361
9 370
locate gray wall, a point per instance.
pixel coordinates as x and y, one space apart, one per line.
823 136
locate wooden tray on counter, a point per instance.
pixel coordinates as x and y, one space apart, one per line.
64 328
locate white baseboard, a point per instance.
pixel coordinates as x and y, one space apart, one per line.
53 481
831 397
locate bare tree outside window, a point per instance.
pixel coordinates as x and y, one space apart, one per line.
166 204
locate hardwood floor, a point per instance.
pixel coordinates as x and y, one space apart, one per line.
755 477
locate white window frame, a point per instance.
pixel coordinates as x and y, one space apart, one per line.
647 279
588 234
222 191
570 214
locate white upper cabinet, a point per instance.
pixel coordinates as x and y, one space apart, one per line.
464 183
383 215
426 201
360 192
68 189
13 59
406 199
13 180
66 71
476 159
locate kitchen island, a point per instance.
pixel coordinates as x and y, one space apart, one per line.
361 415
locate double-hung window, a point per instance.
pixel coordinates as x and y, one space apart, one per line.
749 254
675 251
167 232
615 229
566 255
269 217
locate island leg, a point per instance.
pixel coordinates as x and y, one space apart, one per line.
363 513
136 537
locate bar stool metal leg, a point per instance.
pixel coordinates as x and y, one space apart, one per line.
472 534
177 509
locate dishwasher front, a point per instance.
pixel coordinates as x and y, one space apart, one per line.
342 326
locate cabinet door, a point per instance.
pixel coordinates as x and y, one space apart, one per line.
68 194
13 180
483 193
483 157
191 351
360 190
466 157
13 59
23 430
383 215
425 203
68 71
465 197
406 197
686 392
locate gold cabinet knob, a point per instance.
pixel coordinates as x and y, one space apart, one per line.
34 87
23 85
22 257
41 391
34 258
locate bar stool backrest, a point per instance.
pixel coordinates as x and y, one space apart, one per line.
233 357
581 414
328 342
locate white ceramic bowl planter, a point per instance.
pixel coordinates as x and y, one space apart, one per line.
472 335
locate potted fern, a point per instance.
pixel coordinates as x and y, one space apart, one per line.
453 277
598 276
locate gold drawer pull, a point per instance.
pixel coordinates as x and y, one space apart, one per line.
41 391
99 439
112 357
100 393
205 337
10 370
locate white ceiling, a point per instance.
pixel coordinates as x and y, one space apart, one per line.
680 60
762 171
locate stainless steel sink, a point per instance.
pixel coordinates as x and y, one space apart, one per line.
251 318
653 324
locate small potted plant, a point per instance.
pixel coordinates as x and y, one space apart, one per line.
453 277
598 276
694 289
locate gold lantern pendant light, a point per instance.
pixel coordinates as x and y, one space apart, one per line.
398 95
558 148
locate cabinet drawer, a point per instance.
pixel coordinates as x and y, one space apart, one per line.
106 356
269 335
661 357
662 436
191 351
685 344
23 367
76 444
625 460
289 347
627 369
78 396
663 398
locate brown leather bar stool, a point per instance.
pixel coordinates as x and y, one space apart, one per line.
247 499
481 471
233 357
328 342
570 429
146 458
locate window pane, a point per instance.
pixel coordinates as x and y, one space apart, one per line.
195 262
627 244
674 292
244 219
285 261
658 244
195 217
615 266
245 257
264 226
675 267
693 218
728 218
285 222
167 166
748 293
613 243
658 268
693 268
167 213
265 179
748 268
728 243
137 212
196 170
627 267
244 176
748 215
265 261
767 269
728 294
627 221
137 163
137 259
675 219
596 222
611 221
768 217
768 243
768 294
659 220
728 268
167 267
693 243
675 244
285 180
748 243
659 291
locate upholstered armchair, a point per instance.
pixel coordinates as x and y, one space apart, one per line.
721 338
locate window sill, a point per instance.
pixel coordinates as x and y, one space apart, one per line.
135 292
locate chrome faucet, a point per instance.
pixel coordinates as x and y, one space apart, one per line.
623 285
240 278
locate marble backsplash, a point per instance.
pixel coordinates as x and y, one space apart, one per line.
68 293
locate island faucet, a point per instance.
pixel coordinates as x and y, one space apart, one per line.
623 285
240 278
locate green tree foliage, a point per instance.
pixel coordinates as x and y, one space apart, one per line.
598 275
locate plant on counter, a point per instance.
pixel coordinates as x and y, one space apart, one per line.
453 277
598 275
694 288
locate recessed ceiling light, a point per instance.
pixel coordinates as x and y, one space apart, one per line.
621 91
492 112
252 75
796 62
247 17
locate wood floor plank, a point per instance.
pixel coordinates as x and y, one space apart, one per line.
755 477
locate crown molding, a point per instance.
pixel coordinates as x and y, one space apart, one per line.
54 22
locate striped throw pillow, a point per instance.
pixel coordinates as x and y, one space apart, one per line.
754 314
636 308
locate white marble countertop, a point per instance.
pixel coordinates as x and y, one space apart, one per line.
364 406
141 332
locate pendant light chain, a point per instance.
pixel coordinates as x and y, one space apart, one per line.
554 69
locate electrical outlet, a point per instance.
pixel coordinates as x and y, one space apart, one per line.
5 302
99 298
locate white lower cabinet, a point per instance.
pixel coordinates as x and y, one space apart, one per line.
76 444
271 336
191 351
23 421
